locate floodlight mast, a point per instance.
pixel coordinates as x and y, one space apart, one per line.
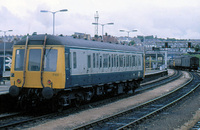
46 11
103 27
128 31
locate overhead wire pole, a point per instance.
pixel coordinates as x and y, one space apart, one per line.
46 11
4 48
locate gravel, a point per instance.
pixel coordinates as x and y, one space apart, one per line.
169 119
181 116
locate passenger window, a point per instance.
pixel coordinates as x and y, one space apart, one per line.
89 61
66 60
112 60
105 60
133 60
97 57
139 60
94 61
74 60
117 61
121 60
34 60
100 61
109 61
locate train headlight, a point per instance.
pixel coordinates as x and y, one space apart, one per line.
49 82
19 81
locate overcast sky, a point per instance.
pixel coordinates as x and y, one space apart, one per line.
164 18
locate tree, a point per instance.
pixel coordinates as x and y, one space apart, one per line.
197 48
131 43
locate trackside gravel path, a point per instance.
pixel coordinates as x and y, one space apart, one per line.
73 120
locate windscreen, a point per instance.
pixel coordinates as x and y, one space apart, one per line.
19 59
34 60
50 60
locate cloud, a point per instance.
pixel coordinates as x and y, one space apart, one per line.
164 18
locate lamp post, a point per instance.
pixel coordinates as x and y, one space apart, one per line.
102 26
4 48
128 31
46 11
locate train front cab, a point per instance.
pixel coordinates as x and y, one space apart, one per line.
31 80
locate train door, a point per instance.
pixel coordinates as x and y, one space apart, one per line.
33 73
89 63
67 68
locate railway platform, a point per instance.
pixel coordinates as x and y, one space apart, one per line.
4 88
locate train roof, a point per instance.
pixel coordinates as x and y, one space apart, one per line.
184 56
72 42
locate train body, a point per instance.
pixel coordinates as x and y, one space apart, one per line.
67 70
184 62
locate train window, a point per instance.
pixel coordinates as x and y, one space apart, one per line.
105 60
50 60
112 60
133 60
139 61
121 60
136 61
89 61
97 57
66 60
109 61
34 60
19 59
74 60
124 61
94 61
117 61
115 58
100 62
127 61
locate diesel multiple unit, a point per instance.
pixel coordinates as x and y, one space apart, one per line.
184 62
65 70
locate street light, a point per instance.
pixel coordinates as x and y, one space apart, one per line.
46 11
102 26
4 48
128 31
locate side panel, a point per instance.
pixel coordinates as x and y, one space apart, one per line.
91 67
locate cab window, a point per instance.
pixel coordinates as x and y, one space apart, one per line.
34 60
19 59
50 60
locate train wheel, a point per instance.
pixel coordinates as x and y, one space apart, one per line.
78 101
22 103
60 108
133 90
56 106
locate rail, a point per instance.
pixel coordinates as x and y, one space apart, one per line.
130 117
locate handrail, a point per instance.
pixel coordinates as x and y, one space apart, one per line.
25 58
43 54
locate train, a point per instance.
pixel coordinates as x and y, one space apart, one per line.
65 71
184 62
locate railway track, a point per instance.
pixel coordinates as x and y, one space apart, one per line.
131 117
14 120
156 83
